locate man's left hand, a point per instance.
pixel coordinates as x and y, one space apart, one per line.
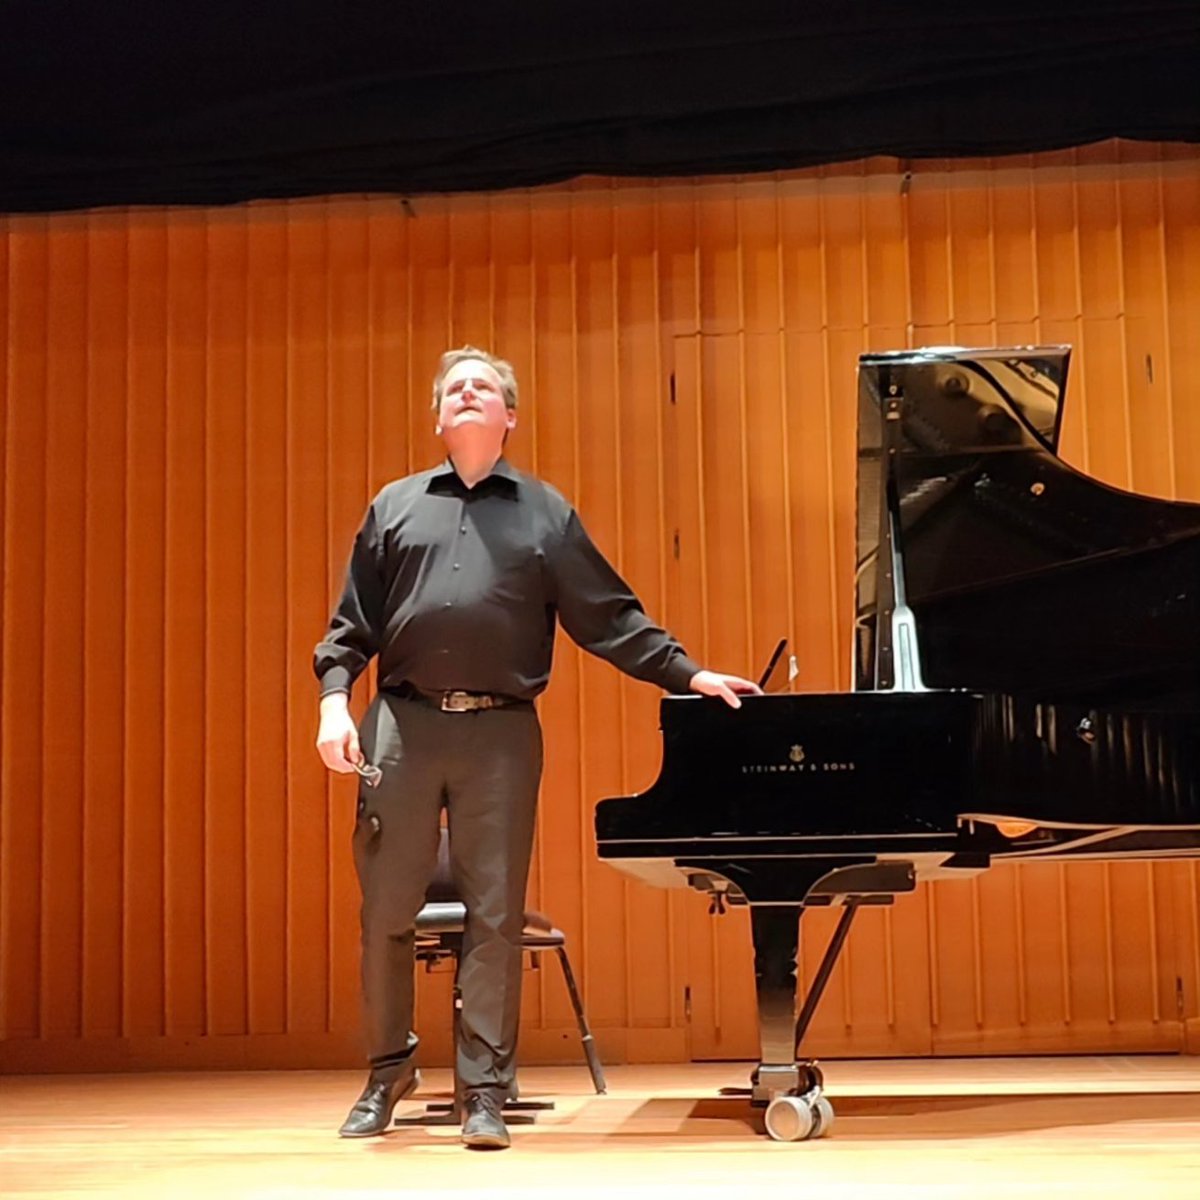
728 687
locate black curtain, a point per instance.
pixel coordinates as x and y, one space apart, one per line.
151 103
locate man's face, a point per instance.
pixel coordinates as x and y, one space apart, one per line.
473 402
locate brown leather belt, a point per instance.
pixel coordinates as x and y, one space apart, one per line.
457 700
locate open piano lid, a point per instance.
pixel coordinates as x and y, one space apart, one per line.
1023 574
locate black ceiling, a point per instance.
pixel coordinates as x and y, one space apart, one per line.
151 103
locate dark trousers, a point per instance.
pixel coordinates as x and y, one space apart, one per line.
484 769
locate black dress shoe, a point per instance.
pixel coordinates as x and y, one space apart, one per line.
483 1126
372 1111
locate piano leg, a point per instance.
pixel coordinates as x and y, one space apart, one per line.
788 1087
776 941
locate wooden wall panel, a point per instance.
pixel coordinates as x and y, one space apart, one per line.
22 816
143 953
225 622
264 645
196 408
62 733
103 647
348 444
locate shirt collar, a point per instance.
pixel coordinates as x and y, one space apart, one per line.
502 470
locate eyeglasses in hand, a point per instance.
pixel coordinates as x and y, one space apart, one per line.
368 773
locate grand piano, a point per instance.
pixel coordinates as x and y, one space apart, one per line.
1027 686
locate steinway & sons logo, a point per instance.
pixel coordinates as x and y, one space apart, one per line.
797 762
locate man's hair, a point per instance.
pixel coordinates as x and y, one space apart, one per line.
449 360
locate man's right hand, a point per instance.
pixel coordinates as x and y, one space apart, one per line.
337 738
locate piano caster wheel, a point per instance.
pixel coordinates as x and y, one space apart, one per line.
822 1117
799 1118
790 1119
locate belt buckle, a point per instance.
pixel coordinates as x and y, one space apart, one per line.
457 702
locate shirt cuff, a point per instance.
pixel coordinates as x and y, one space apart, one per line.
336 679
679 674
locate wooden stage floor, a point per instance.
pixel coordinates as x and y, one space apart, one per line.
1095 1127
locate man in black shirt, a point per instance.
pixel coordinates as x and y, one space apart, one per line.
456 579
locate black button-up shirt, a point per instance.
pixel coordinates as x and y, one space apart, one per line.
459 588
